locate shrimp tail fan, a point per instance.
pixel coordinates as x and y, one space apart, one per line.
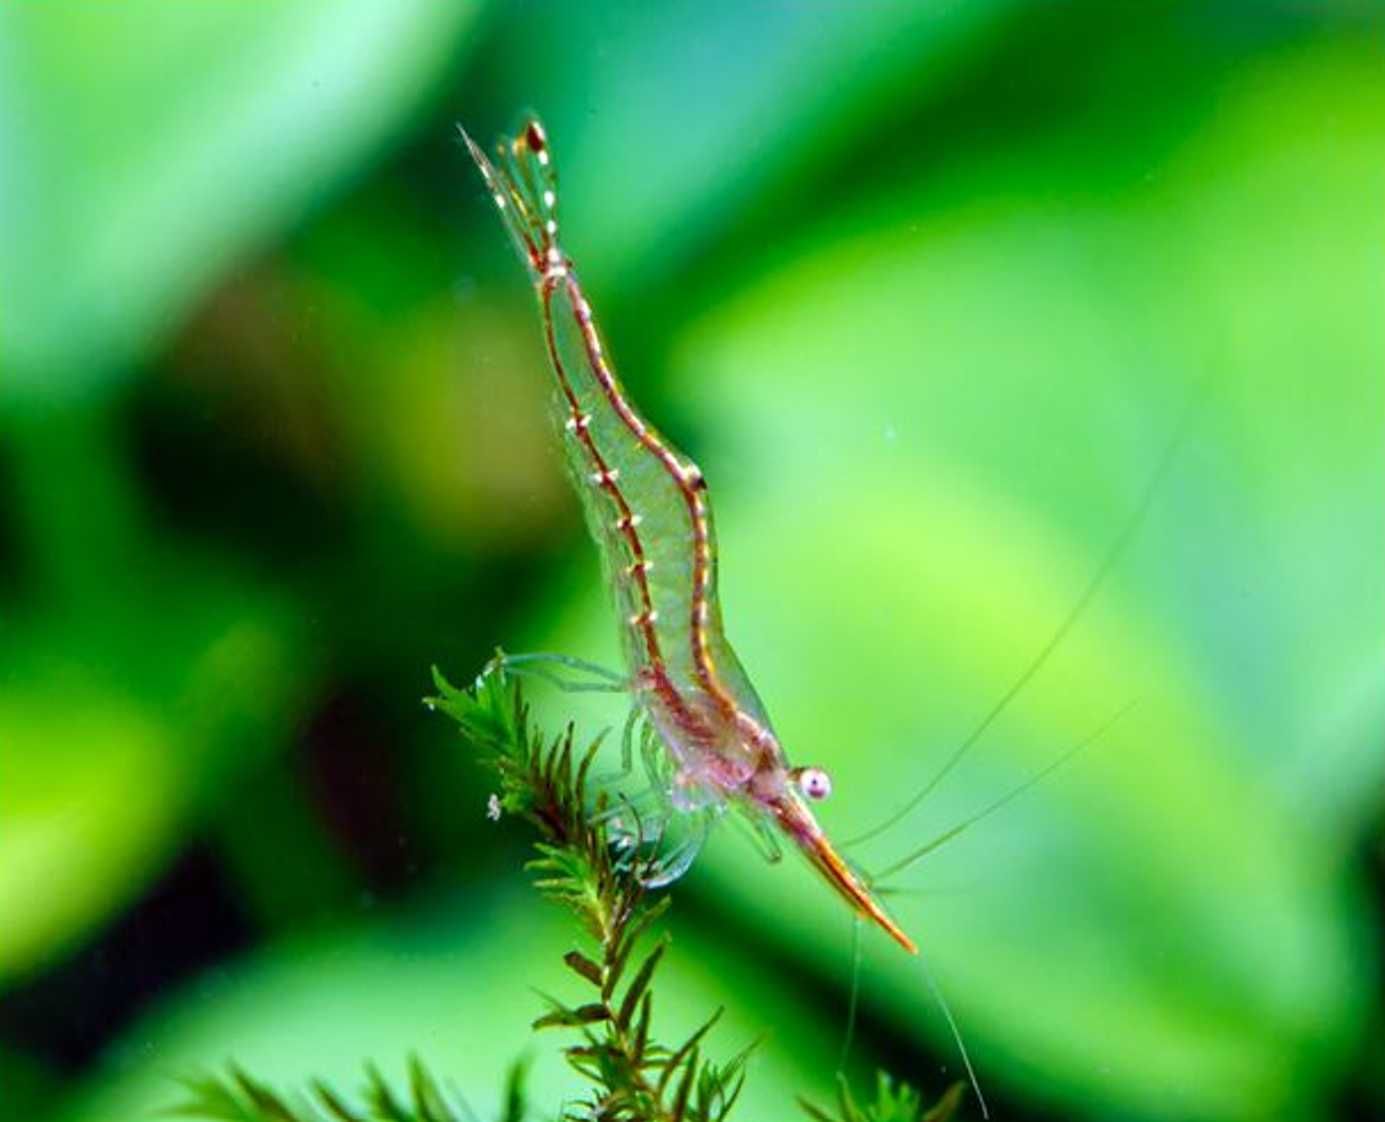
524 185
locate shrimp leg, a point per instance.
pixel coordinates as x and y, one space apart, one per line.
671 866
540 664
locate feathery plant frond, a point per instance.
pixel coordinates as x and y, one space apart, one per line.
633 1077
894 1102
239 1097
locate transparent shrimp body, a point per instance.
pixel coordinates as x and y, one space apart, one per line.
707 741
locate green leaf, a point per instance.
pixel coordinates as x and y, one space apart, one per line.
584 966
116 730
428 1104
685 1086
946 1106
264 1102
686 1049
242 1098
637 929
381 1098
333 1103
120 204
565 1017
210 1097
639 985
515 1098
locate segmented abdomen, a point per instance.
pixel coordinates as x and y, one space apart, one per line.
645 502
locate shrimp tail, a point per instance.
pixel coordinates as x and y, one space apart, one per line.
524 185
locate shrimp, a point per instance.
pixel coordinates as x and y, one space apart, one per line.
648 508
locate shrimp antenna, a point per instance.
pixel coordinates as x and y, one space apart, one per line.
854 1000
1098 579
956 1036
1009 796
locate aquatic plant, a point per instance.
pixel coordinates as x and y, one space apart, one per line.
585 865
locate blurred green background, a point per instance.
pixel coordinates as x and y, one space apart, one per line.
925 289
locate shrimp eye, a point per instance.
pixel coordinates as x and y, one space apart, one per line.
814 782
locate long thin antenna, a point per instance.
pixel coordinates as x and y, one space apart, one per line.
956 1036
1009 796
852 1002
1103 571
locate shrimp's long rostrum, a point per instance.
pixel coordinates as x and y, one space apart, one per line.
647 508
